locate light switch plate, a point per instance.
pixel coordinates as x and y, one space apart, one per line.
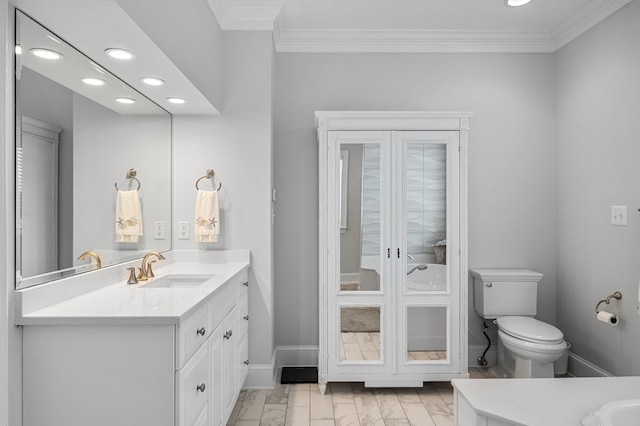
619 215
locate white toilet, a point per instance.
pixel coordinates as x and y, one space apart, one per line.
527 347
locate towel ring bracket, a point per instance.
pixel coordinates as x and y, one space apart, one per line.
208 175
131 175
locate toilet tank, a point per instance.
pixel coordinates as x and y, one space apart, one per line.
501 292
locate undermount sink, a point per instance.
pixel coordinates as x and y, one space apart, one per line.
625 412
178 281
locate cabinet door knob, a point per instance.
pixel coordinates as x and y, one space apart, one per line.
246 317
201 331
246 362
489 285
201 387
246 283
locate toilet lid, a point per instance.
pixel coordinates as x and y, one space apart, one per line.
530 329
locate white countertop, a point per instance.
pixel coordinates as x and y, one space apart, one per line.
544 402
122 303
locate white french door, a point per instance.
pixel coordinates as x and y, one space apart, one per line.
392 293
427 270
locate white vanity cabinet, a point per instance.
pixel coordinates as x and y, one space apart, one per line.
131 373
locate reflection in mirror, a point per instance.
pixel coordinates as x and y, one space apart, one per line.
360 333
426 216
426 334
74 141
360 260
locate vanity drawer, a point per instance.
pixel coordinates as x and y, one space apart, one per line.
192 333
222 304
192 389
242 318
242 283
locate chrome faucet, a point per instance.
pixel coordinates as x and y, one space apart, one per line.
418 267
145 268
94 255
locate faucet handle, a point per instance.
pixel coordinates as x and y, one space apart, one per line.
132 276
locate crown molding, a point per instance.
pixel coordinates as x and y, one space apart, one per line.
586 18
246 15
411 41
266 15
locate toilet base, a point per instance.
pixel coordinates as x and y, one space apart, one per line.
526 368
511 365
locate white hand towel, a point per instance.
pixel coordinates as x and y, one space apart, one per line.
128 216
207 223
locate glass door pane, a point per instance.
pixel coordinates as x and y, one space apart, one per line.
426 334
425 216
360 228
360 333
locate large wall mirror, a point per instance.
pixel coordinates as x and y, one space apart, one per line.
93 163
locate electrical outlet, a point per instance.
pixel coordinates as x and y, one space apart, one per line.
183 230
158 230
619 215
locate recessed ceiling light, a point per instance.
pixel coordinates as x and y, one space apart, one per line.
176 100
515 3
120 54
152 81
51 55
123 100
92 81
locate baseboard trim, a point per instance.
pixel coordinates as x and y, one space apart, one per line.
580 367
296 356
262 376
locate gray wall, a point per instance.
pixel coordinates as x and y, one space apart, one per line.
106 145
598 105
511 160
237 146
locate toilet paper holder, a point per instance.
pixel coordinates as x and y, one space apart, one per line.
617 295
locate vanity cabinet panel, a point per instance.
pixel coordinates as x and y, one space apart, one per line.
217 412
242 363
230 360
98 375
203 420
243 318
193 386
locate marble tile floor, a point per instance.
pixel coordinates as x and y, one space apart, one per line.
348 404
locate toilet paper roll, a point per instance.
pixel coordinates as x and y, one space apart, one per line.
607 317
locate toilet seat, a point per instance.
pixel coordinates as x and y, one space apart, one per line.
530 330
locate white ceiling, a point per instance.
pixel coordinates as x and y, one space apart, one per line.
324 26
415 25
